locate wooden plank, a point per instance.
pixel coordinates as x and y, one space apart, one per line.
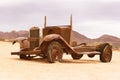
84 49
93 52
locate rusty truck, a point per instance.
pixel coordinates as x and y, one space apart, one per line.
56 40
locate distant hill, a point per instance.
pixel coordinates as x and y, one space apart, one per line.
13 34
80 38
114 41
107 38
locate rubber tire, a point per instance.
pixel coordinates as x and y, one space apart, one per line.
54 52
106 53
23 56
91 55
76 56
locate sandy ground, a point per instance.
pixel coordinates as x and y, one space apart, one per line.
12 68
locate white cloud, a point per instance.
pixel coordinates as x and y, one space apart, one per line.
108 1
93 29
90 17
12 2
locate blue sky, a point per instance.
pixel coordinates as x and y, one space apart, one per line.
92 18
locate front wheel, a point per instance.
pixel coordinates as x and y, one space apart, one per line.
106 54
23 56
55 52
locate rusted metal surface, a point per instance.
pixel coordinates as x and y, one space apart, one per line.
23 41
27 52
84 48
56 41
76 49
34 37
64 31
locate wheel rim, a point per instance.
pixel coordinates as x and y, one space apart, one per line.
55 52
107 53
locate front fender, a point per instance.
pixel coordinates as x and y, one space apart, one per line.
55 37
46 40
51 37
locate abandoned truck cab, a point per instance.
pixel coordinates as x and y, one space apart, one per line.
56 40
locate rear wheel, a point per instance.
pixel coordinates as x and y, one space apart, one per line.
76 56
55 52
106 54
91 55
